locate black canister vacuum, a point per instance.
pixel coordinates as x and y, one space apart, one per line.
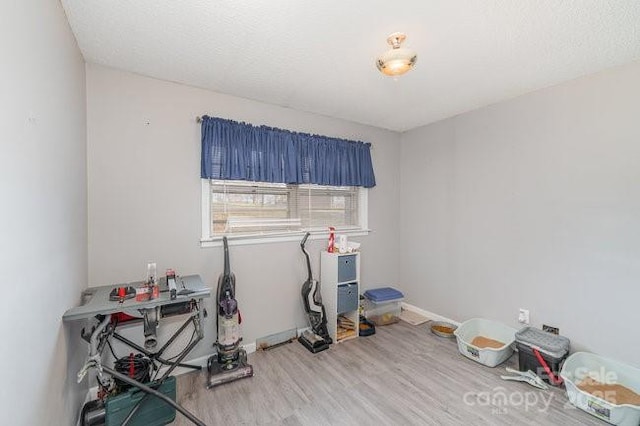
317 339
230 361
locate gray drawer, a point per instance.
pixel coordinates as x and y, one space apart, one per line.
346 268
347 297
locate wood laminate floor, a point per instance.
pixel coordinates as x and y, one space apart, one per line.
403 375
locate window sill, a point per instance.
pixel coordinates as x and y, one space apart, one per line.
240 240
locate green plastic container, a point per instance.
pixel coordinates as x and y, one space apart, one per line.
152 412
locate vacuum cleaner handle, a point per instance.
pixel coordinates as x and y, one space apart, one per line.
302 243
304 240
227 268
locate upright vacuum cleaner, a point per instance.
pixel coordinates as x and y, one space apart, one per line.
230 361
317 339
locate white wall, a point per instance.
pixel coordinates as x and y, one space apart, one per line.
144 197
43 219
531 203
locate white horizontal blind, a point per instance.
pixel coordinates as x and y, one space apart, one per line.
323 206
246 208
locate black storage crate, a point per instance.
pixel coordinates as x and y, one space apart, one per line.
553 349
527 360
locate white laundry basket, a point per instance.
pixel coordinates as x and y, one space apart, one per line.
583 364
490 357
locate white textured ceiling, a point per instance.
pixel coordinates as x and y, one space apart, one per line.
318 56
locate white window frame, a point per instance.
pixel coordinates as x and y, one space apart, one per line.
207 240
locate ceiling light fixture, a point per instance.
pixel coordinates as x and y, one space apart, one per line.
397 60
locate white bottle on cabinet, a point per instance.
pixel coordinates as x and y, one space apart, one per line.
339 280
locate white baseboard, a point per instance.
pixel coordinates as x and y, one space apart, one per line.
428 314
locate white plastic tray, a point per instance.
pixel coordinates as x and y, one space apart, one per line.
584 364
490 357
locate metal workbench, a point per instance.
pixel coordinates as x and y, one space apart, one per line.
96 304
96 299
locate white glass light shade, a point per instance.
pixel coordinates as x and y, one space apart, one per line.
398 60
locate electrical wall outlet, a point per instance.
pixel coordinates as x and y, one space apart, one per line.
523 316
549 329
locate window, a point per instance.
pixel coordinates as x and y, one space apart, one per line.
267 211
243 168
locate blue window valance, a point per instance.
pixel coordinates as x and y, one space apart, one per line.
241 151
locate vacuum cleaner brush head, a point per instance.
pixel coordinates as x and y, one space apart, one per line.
220 374
313 342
